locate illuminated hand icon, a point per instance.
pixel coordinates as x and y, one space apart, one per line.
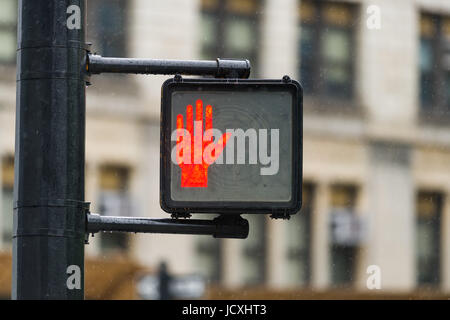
197 151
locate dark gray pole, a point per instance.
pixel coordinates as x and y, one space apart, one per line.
49 209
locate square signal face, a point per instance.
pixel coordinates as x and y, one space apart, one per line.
231 146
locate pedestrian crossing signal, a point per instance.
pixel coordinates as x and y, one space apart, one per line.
231 146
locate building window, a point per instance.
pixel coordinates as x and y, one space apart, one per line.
254 251
299 241
435 64
114 201
343 247
107 26
327 48
7 199
209 258
429 208
229 29
8 31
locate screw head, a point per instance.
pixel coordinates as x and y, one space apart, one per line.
286 78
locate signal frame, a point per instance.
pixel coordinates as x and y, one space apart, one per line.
185 208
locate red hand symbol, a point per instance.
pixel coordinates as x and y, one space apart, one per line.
196 152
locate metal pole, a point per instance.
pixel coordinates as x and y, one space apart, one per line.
164 282
219 68
49 207
221 227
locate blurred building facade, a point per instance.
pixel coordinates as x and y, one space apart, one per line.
376 137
